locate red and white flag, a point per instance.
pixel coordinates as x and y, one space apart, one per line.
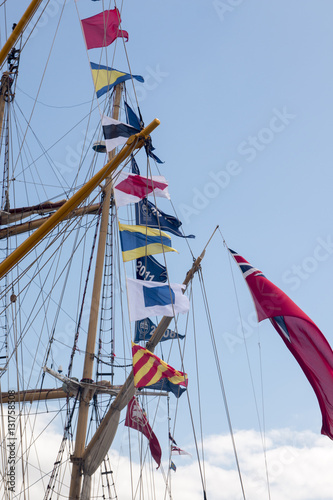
131 188
136 419
299 333
178 451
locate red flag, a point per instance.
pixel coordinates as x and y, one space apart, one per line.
136 419
101 30
302 337
131 188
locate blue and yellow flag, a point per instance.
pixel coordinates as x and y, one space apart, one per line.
173 466
106 78
137 241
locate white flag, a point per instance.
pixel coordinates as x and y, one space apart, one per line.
116 133
178 451
152 298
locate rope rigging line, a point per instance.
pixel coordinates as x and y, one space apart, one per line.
58 140
218 366
40 85
50 105
45 306
23 431
57 463
128 62
68 265
198 391
31 318
262 432
74 348
106 461
107 297
39 468
176 215
62 294
37 348
31 162
149 175
107 100
31 278
33 28
201 468
202 474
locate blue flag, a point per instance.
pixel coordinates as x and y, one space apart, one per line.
149 269
147 214
138 241
166 385
133 120
145 328
135 168
149 150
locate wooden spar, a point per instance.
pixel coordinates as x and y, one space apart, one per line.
15 214
128 390
34 395
133 142
75 486
19 29
34 224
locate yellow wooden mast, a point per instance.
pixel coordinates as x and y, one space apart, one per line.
18 30
75 487
135 141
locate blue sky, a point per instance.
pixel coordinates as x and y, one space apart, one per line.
244 94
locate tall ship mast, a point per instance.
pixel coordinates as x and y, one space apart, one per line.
116 359
97 395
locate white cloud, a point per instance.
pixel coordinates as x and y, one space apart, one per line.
298 463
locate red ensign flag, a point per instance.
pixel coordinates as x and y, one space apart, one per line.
302 337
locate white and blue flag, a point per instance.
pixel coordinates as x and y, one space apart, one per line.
151 298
